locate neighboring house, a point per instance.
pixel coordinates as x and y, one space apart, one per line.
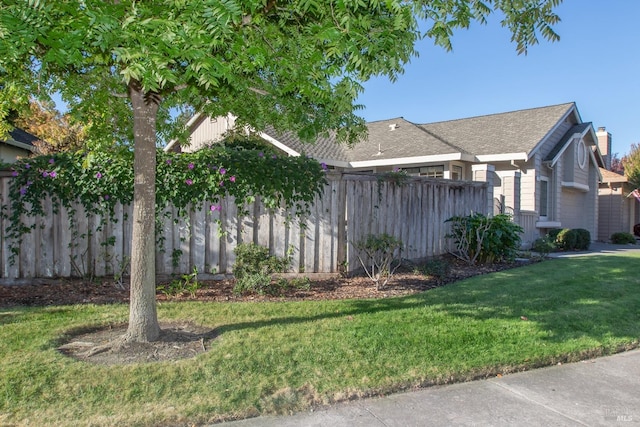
18 143
542 162
618 209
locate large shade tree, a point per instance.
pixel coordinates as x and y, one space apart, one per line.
298 65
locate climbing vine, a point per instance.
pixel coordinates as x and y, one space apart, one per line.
99 180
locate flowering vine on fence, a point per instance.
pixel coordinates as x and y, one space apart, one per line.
98 181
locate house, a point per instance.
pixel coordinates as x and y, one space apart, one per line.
618 208
17 144
542 163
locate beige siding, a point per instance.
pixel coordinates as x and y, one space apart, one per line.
208 131
9 154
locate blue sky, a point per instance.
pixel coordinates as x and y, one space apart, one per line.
595 64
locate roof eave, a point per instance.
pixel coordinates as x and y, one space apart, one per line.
411 160
14 143
504 157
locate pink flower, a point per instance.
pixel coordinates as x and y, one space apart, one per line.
23 191
324 166
51 161
27 165
168 161
14 173
223 171
261 154
45 174
221 184
188 181
191 166
106 197
53 174
233 178
215 208
98 175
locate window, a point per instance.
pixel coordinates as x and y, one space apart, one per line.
430 171
544 197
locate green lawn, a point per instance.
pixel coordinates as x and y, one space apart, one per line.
281 357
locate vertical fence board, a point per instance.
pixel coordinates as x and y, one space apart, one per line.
197 243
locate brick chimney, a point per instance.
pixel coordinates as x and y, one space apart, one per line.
604 144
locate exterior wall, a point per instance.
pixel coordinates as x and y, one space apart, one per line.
207 131
579 208
9 153
528 185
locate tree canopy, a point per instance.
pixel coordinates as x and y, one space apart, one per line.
296 65
631 164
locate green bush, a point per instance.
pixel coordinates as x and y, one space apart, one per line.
254 266
583 239
543 246
571 239
623 238
478 238
552 235
567 239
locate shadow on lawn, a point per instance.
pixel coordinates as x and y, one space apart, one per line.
596 296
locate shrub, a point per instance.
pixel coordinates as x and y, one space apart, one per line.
187 283
623 238
552 235
583 239
376 255
478 238
543 246
567 239
572 239
254 266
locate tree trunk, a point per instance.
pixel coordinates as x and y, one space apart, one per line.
143 317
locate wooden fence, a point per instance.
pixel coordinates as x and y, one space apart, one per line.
351 207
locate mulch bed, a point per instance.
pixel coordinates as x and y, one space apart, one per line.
104 290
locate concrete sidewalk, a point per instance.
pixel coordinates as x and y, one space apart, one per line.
598 392
598 248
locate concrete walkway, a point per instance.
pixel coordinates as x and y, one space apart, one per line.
598 248
598 392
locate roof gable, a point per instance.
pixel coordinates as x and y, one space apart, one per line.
578 130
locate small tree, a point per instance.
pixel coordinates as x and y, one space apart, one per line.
377 255
631 164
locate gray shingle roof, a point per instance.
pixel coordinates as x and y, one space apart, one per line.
512 132
22 136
